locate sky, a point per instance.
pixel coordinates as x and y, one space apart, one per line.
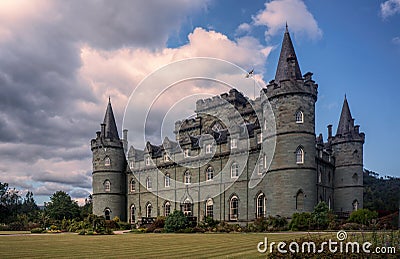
60 61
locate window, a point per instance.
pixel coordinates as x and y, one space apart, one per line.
132 185
261 205
233 143
319 177
186 177
167 208
186 153
265 124
107 161
148 210
259 138
261 165
148 183
187 208
299 156
355 178
209 173
167 180
355 205
132 214
148 160
131 164
209 148
233 208
166 157
300 201
107 214
107 185
299 117
234 170
329 203
210 208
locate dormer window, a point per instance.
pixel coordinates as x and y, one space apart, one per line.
147 161
209 148
233 143
107 161
299 117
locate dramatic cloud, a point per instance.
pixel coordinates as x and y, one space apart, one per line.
389 8
294 12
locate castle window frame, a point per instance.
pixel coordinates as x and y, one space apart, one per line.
209 149
299 155
300 201
166 157
265 124
132 214
167 208
234 170
148 183
260 206
131 164
234 143
260 165
148 210
107 161
107 185
259 138
132 185
187 177
355 178
147 160
355 205
167 180
186 153
209 173
299 117
187 208
210 208
320 177
107 214
234 208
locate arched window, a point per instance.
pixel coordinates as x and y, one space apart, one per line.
167 208
107 161
107 214
148 210
209 173
299 155
355 205
107 185
132 185
148 183
329 203
355 178
233 143
262 164
234 170
187 208
148 160
166 157
319 177
209 148
210 208
186 177
261 205
132 214
234 208
300 201
299 117
167 180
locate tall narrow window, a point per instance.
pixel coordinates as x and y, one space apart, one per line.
261 205
131 165
148 160
107 161
261 165
148 183
234 170
167 208
209 173
234 208
186 177
132 185
355 178
187 208
107 185
299 155
299 117
319 177
167 180
355 205
300 201
233 143
259 138
210 208
186 153
329 203
107 214
132 214
209 149
148 210
166 157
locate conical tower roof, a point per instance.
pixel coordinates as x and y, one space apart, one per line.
345 121
111 131
288 66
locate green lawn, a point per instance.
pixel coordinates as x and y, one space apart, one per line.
238 245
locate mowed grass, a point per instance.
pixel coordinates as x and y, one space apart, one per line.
240 245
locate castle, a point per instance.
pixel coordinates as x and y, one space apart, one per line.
232 173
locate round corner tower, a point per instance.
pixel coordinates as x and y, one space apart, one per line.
109 170
292 174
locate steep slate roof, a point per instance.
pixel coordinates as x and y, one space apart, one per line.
110 125
346 121
288 66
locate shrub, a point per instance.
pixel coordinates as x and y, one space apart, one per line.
300 221
363 216
158 223
176 221
319 216
36 230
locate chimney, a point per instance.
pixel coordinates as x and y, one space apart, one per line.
103 130
357 129
125 134
329 131
98 134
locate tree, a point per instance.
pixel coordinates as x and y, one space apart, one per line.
62 206
363 216
320 215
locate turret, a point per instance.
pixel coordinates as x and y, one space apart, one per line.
347 146
292 174
109 167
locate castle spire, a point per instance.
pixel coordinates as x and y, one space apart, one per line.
109 122
346 121
288 66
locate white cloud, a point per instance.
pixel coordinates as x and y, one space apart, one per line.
396 41
294 12
389 8
243 28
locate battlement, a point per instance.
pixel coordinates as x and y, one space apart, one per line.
233 97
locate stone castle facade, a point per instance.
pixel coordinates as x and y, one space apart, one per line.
232 174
